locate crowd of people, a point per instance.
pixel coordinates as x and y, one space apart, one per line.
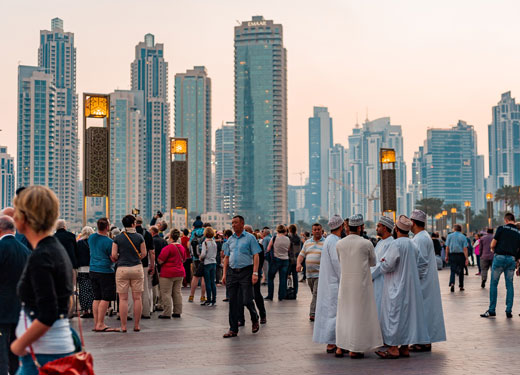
380 294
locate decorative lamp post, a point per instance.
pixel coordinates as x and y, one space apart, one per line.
489 199
453 216
467 204
444 221
179 177
388 191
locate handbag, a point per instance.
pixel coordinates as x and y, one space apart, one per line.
135 248
80 363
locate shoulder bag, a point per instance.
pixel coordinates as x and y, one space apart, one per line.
135 248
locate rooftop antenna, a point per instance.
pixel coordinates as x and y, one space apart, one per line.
357 121
367 116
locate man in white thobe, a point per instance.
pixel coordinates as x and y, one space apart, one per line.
384 230
327 300
357 325
402 314
431 292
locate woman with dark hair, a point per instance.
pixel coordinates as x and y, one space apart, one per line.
86 295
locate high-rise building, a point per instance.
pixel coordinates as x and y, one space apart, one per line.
320 142
36 128
193 121
150 74
6 178
296 202
364 169
57 56
337 171
225 169
126 146
448 167
504 144
261 122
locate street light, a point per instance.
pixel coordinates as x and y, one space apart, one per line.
388 191
453 216
489 198
467 204
444 221
179 177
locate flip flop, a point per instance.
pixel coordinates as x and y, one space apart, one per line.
387 355
108 329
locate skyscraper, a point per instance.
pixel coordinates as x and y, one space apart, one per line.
126 145
6 178
57 56
193 121
337 171
448 167
261 122
36 127
320 142
150 74
225 169
363 160
504 144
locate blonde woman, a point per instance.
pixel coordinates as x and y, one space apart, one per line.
209 256
86 295
45 287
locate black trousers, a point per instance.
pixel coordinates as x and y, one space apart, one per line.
240 289
457 263
8 361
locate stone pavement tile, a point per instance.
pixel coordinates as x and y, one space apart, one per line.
194 344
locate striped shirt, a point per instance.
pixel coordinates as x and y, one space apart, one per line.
311 251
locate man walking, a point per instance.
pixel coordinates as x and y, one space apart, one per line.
311 253
384 230
505 245
13 256
457 255
148 268
241 262
279 250
327 301
431 291
357 328
486 256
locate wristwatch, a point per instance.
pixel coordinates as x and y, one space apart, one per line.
255 273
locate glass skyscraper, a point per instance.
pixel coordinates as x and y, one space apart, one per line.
261 122
57 56
225 169
36 127
504 144
320 142
126 145
337 171
6 178
150 74
193 121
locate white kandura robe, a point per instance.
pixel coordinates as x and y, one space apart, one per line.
357 324
402 312
431 291
327 300
377 276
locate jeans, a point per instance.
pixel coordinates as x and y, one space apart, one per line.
457 262
240 286
502 264
280 266
8 361
210 271
313 286
28 367
292 271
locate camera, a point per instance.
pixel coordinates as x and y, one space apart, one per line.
159 214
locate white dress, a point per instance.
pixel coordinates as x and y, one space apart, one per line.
327 301
431 291
402 313
357 325
377 276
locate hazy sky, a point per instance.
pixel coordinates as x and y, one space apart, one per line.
423 63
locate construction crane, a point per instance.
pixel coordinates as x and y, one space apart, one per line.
370 198
301 173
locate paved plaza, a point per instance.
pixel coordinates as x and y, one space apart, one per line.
194 345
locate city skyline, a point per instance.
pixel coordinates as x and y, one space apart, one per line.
409 90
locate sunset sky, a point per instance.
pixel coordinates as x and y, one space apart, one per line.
424 64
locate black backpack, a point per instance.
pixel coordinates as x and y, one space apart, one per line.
196 244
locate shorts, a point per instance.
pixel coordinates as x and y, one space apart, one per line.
198 268
103 286
132 277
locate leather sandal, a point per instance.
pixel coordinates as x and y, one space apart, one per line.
230 334
387 355
330 351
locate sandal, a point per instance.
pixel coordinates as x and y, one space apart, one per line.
387 355
107 329
333 350
230 334
341 353
421 348
355 355
404 353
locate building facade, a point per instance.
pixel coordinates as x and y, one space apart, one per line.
504 144
261 122
320 142
337 192
126 150
298 210
36 138
448 167
225 169
6 178
193 121
57 56
364 168
150 75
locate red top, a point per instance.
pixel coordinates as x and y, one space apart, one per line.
184 242
173 257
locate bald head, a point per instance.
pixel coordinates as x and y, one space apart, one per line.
6 225
248 228
8 211
61 224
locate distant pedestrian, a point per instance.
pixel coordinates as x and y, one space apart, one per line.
278 249
457 255
209 257
86 295
486 256
384 231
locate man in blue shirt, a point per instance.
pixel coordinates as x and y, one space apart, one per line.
457 255
241 262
